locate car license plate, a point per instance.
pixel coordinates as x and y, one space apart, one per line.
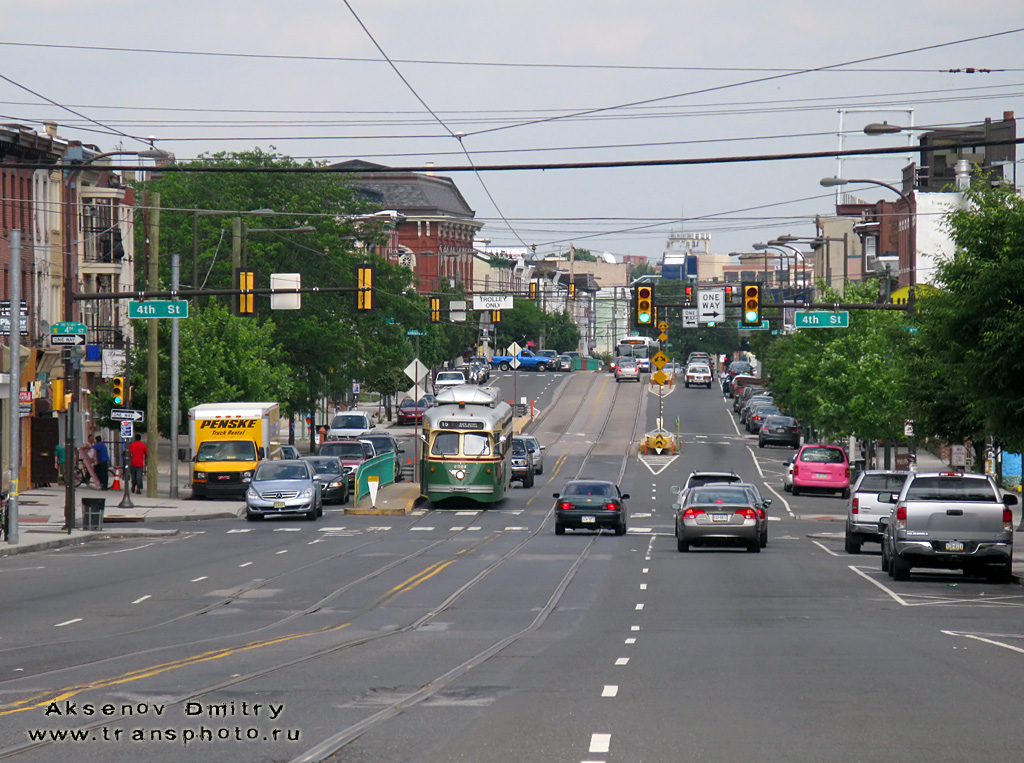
821 476
719 517
586 520
954 545
278 504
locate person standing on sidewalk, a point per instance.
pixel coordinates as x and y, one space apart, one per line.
59 457
102 456
137 453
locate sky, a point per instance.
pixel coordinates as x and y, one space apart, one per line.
488 84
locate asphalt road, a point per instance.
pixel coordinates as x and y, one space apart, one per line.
461 635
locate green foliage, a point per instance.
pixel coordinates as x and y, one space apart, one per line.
526 322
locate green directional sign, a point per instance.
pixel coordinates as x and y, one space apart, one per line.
159 308
68 327
821 319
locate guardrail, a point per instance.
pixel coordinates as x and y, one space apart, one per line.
382 467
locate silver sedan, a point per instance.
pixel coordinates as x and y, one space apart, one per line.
283 487
627 370
718 515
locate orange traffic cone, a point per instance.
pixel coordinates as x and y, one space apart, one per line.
117 480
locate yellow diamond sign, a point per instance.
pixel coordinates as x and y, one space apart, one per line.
659 360
659 377
663 326
662 336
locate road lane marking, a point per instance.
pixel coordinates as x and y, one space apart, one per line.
985 640
196 580
600 742
455 529
639 606
634 627
631 641
622 661
421 529
610 690
282 551
756 462
286 529
646 570
826 549
246 564
892 594
643 586
142 598
247 530
68 622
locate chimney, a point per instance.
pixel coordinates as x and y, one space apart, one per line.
1007 116
51 128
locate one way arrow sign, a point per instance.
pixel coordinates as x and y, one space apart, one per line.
126 414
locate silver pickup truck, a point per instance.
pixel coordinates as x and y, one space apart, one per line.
948 520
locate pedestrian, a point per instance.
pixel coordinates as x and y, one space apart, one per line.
102 457
59 459
137 453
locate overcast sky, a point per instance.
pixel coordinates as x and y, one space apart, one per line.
713 79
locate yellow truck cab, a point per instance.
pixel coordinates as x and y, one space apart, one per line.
226 443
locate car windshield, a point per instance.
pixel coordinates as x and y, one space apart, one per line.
882 483
382 444
243 450
951 489
350 421
780 421
325 465
409 403
704 479
343 449
519 447
823 455
589 488
281 470
451 376
711 494
695 369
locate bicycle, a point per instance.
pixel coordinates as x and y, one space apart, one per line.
81 474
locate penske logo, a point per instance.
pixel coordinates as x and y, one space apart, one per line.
211 424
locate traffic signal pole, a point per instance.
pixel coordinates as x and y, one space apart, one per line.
152 354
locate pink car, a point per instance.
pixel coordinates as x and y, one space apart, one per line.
821 467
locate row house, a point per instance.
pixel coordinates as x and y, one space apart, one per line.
85 217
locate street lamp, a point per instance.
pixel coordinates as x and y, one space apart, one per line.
911 228
784 257
72 378
816 242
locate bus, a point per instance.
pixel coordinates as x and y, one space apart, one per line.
466 446
640 348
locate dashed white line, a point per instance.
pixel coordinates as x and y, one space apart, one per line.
643 586
610 690
622 661
634 627
283 551
68 622
142 599
646 570
421 529
287 529
600 742
631 641
455 529
196 580
245 564
639 606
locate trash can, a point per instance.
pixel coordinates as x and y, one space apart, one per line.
92 513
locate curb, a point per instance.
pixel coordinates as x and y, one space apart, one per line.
79 540
409 506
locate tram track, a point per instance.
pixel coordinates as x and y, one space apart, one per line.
337 741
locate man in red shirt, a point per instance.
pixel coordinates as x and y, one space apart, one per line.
137 453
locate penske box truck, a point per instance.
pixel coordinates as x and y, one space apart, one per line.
226 442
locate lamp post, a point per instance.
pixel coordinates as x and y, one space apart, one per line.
803 263
784 257
72 367
911 228
816 242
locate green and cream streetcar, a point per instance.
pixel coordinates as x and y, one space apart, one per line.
466 448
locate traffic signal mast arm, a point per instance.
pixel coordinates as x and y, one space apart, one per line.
765 306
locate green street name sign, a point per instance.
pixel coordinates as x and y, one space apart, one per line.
821 319
159 308
764 326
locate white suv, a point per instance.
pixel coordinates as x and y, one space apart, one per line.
350 425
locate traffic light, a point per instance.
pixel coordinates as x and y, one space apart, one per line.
751 306
728 295
533 290
688 295
495 316
245 279
435 309
364 285
572 290
57 385
644 305
119 391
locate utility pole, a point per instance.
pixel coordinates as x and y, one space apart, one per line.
15 387
175 278
236 245
152 354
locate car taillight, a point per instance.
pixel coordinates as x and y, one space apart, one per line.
692 513
901 513
612 506
796 469
760 512
847 472
747 513
565 505
855 506
1007 519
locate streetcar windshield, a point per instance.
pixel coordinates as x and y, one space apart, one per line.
476 445
446 444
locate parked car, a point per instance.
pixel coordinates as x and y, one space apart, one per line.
718 514
445 379
787 475
329 471
949 520
351 452
591 505
536 451
627 369
697 374
564 363
758 413
821 467
779 430
283 488
522 464
410 411
386 443
866 510
741 395
547 353
350 424
740 381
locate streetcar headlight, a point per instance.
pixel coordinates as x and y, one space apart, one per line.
460 475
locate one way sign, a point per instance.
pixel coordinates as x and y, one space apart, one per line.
712 305
126 414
